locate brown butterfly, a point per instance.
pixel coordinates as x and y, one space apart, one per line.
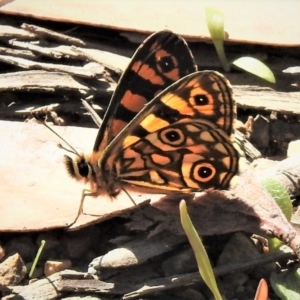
168 128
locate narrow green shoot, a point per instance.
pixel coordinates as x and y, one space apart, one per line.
43 242
204 266
215 24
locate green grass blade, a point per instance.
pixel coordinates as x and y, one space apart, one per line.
43 242
203 262
215 24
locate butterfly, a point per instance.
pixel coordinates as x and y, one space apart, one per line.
168 127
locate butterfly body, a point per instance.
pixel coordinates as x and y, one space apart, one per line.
168 128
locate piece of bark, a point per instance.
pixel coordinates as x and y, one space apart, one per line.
81 284
35 80
17 53
115 62
45 51
43 32
263 98
246 146
9 32
72 70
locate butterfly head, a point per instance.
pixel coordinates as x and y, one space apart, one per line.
86 169
79 168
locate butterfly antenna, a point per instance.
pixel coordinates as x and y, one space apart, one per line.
71 150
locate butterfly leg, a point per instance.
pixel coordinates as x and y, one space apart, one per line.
136 205
85 192
131 199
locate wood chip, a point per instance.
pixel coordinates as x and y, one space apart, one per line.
43 32
41 81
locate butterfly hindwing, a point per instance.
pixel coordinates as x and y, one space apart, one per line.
162 59
181 140
189 155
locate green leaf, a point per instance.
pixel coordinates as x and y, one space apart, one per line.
215 24
280 195
282 198
256 67
204 266
286 285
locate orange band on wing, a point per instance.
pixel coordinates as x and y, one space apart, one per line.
147 73
116 126
130 98
152 123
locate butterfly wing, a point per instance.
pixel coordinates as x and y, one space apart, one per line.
162 59
189 155
181 140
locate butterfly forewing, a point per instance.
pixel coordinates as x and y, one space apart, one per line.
204 95
180 141
162 59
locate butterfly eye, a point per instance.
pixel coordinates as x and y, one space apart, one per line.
84 168
78 169
203 172
173 137
166 64
200 100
